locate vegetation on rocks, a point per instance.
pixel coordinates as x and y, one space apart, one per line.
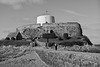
85 48
14 42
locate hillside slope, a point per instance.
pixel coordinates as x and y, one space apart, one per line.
42 57
28 58
69 58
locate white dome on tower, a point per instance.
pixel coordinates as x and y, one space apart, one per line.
45 19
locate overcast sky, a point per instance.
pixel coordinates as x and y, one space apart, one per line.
15 13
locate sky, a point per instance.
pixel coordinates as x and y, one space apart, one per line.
16 13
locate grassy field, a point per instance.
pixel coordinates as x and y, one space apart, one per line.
69 58
28 56
20 57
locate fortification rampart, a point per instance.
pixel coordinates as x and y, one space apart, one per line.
72 28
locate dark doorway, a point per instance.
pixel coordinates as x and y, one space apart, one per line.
51 31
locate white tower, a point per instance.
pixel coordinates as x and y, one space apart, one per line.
45 19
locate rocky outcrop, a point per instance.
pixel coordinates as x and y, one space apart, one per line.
32 33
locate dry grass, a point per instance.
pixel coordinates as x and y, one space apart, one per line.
86 48
51 57
7 52
59 59
20 63
20 57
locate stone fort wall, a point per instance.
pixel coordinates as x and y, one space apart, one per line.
72 28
